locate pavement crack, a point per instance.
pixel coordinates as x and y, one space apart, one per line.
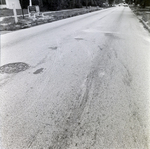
62 139
127 77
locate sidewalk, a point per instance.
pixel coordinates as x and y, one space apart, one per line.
7 23
143 15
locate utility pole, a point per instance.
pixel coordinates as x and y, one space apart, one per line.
22 8
30 2
86 3
15 13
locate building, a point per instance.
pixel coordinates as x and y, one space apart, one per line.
9 4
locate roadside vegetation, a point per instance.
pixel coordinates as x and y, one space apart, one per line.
53 10
143 13
64 4
141 3
8 23
69 4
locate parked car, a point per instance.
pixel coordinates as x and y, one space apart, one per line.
120 4
125 5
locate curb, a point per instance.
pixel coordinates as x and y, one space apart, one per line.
39 21
145 25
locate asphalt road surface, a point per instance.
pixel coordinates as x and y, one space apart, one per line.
87 84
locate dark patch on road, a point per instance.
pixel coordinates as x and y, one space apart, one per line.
38 71
100 48
127 80
127 77
14 67
109 34
109 55
112 35
53 48
79 39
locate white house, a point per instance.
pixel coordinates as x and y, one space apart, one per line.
9 4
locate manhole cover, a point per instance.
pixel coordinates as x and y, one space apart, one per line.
14 67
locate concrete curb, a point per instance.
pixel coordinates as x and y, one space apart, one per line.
145 25
142 21
43 20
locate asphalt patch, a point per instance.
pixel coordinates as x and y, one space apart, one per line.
14 68
38 71
53 48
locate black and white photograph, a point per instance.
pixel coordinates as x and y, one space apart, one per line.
74 74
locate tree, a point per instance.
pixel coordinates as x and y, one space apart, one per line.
24 4
142 3
64 4
110 2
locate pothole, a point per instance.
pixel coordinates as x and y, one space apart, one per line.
14 67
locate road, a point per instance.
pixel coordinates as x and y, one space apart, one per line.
87 85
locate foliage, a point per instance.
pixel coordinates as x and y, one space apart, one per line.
142 3
64 4
68 4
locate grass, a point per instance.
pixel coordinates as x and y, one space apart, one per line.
9 12
143 14
8 23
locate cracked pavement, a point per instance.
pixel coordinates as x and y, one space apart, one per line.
87 87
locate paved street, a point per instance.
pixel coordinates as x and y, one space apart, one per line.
87 84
